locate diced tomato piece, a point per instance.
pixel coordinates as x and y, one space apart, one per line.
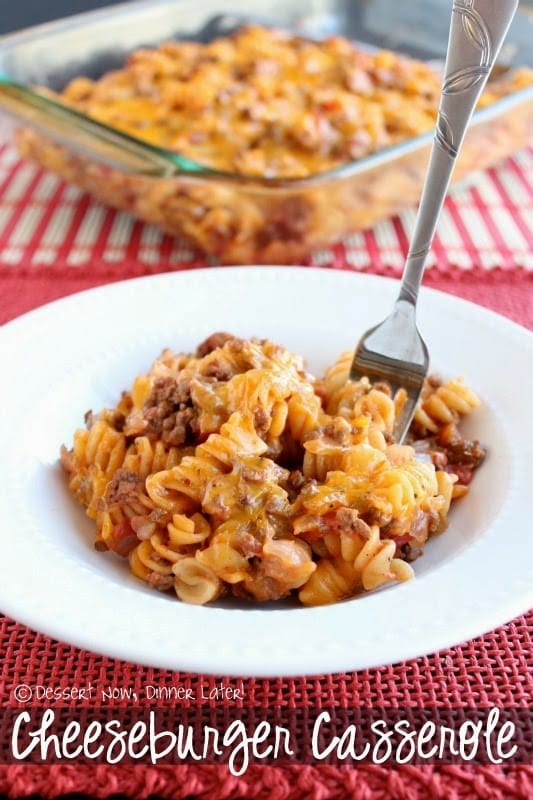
399 541
123 538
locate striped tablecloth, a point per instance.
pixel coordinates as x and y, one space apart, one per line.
44 223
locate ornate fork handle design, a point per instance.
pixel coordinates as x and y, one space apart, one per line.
477 31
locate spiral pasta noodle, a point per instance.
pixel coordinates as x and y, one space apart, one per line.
444 404
364 563
233 471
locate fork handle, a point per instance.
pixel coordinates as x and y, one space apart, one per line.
477 31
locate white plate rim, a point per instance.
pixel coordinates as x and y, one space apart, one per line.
297 649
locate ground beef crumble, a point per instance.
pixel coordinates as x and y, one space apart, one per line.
124 487
213 342
219 370
468 453
262 421
169 414
349 521
168 393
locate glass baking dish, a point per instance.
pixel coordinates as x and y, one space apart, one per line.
235 218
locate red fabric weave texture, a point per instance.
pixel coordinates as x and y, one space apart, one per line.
55 241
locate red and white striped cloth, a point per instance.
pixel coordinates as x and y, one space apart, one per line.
486 223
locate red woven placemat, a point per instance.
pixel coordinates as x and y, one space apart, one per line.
55 241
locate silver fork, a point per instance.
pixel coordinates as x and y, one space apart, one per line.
394 351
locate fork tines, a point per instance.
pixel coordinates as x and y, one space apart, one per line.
407 372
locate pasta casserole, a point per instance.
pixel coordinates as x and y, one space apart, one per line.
288 122
267 103
233 471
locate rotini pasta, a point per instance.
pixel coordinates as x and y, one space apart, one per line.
443 404
233 471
